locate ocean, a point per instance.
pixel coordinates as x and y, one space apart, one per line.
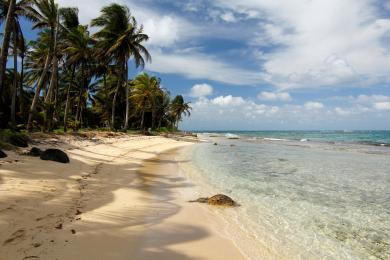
303 194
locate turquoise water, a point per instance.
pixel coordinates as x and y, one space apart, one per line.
325 197
362 137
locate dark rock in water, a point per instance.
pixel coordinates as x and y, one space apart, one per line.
215 144
55 155
35 151
2 154
18 140
219 200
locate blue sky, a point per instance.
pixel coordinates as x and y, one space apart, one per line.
269 64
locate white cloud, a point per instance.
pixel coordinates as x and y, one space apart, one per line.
311 105
196 65
228 17
231 110
271 96
382 105
235 112
342 111
308 49
371 99
163 32
324 43
201 90
228 101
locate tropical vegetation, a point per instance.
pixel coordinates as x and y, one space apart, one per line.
70 78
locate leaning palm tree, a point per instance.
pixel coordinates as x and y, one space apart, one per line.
119 39
45 16
179 108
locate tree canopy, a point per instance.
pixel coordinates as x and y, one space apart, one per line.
69 78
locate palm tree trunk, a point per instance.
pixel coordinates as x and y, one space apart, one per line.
53 80
56 108
21 95
77 116
106 95
142 119
127 96
177 125
15 83
49 95
37 93
6 39
79 108
67 101
120 82
153 112
81 115
113 105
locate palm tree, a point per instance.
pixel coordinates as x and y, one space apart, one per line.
163 102
145 91
11 11
77 46
45 15
119 39
70 23
179 108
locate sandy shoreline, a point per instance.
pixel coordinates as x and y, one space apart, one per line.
115 200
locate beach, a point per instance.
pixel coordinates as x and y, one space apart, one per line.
121 197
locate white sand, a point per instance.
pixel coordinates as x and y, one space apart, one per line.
108 203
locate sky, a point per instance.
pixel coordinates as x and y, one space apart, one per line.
268 64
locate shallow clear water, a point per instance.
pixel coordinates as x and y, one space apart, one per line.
301 200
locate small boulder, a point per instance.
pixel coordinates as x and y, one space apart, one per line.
55 155
18 140
218 200
35 151
2 154
221 200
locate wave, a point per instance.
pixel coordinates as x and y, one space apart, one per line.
275 139
231 136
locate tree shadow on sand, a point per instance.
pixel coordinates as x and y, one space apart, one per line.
89 185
